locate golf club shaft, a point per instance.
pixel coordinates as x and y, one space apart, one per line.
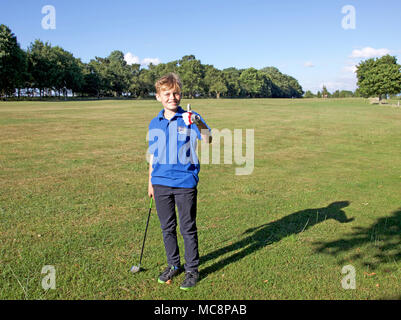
146 230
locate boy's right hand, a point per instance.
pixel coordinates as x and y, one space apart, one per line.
189 117
151 192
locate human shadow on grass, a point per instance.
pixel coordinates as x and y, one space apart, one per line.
370 246
272 232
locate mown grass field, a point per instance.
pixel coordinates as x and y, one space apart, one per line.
324 193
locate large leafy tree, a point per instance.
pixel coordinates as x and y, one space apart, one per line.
255 83
40 65
231 77
147 81
118 73
309 94
134 83
192 74
91 81
53 68
283 86
66 71
112 75
13 64
214 81
379 76
162 69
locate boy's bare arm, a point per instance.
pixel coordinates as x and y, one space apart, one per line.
205 133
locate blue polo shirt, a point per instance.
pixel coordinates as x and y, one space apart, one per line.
173 145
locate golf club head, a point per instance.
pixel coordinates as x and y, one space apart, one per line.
135 269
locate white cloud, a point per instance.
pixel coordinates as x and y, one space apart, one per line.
309 64
132 59
369 52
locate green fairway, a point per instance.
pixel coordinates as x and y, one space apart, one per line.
325 192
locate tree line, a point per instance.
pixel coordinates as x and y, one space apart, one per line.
44 70
324 93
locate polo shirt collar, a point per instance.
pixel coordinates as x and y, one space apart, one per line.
179 113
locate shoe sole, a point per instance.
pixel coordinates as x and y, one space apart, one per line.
186 289
164 282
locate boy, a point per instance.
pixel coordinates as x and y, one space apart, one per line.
173 176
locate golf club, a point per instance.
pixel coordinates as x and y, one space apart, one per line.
135 269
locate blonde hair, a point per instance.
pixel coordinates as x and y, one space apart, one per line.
168 81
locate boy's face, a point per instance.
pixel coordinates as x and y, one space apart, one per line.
170 98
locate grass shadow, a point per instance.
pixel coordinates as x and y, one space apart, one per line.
272 232
382 241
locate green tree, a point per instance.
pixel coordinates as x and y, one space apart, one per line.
147 81
134 83
40 65
191 72
13 62
325 93
66 71
346 94
231 78
112 75
255 83
309 94
357 93
336 94
91 81
118 73
98 67
283 86
162 69
379 76
53 68
214 81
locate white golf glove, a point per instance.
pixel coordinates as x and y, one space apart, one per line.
189 117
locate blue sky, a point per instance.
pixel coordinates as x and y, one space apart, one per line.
304 39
